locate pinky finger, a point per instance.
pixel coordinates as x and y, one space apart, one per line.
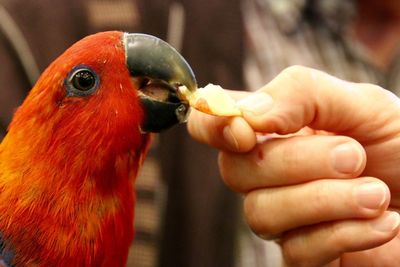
319 245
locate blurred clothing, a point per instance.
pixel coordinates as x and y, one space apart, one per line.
314 33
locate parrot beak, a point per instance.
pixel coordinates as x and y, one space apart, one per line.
159 70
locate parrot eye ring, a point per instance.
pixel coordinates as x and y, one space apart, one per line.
81 81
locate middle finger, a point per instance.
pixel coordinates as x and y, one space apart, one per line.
292 160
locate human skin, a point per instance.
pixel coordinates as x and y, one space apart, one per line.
327 181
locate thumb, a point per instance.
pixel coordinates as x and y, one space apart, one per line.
301 96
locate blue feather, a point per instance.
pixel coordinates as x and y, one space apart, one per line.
6 254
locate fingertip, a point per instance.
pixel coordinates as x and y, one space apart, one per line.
388 224
349 158
240 135
224 163
371 195
225 133
196 125
339 238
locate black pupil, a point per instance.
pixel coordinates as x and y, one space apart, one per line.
83 80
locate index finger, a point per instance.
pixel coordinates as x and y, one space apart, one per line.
225 133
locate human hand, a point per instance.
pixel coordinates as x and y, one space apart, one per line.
326 184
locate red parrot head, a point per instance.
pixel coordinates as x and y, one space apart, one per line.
109 82
102 94
75 144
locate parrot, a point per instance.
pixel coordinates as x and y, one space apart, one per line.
73 149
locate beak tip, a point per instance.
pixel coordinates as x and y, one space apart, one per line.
149 56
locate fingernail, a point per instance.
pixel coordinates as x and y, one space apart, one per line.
230 138
257 103
347 158
387 223
371 195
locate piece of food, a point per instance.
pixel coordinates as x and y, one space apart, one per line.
211 99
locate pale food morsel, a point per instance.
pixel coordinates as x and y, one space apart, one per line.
211 99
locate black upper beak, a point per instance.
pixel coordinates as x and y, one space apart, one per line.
157 62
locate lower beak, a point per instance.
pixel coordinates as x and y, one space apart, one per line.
160 70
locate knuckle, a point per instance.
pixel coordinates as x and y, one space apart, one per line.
320 200
337 239
251 211
301 75
254 214
225 170
372 88
296 71
228 175
290 252
376 88
378 93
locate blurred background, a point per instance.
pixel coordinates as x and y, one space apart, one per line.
185 216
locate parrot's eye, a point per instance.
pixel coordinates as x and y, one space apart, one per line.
81 81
